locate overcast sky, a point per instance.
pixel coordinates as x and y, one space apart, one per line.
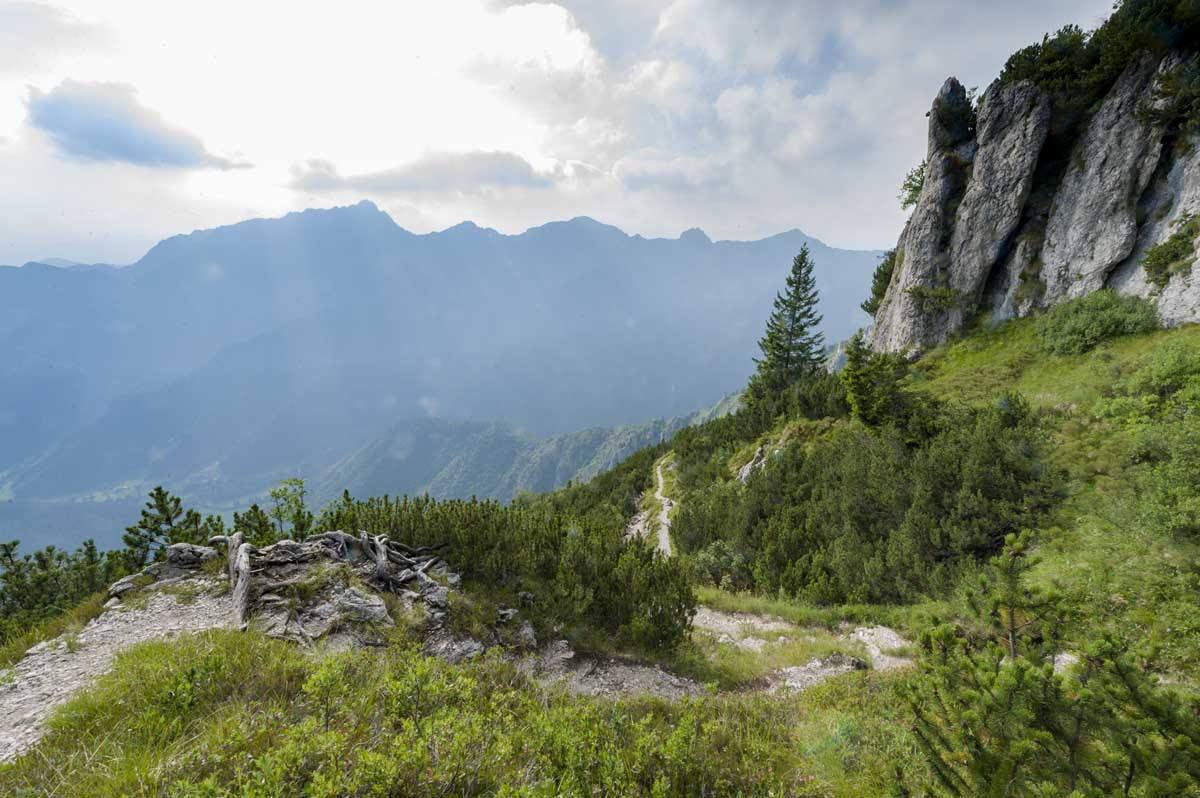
125 121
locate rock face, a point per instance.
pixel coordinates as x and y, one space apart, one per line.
1013 123
909 316
1003 227
1172 199
1093 222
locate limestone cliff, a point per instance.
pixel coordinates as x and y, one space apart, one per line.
1008 223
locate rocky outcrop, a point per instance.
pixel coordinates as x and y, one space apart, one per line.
911 315
1093 221
1171 201
1013 123
334 588
1005 228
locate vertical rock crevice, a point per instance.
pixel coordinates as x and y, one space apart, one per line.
1014 121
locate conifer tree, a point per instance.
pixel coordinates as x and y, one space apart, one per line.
792 348
994 716
163 521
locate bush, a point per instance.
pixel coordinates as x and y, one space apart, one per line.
1175 255
229 714
866 516
1079 325
910 189
589 573
882 279
1171 488
994 717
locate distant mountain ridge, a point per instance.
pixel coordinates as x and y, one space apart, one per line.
227 359
465 459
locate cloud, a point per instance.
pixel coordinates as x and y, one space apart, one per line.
32 34
743 117
105 122
435 173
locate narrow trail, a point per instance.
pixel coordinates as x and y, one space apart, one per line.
664 515
52 672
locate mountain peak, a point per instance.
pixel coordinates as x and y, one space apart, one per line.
695 235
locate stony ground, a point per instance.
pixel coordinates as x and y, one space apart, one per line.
53 671
558 665
885 648
741 629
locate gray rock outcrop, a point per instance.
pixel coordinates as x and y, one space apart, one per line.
1171 201
1013 122
1008 225
910 316
1093 221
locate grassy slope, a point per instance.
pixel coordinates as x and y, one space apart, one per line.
1124 576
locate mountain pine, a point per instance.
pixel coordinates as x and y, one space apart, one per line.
163 521
792 348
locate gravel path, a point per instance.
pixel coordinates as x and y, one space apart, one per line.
51 672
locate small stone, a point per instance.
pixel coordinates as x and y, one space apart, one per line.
436 596
506 614
123 585
526 636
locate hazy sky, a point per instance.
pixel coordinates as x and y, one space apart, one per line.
125 121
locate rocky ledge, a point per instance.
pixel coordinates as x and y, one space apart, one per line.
333 587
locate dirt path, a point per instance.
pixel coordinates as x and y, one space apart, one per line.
664 515
52 672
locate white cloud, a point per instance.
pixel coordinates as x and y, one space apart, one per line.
744 118
438 173
105 122
35 34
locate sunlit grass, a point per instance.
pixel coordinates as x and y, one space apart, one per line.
12 649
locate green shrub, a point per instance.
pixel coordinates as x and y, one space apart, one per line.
1079 325
891 260
1175 255
910 189
994 717
869 516
1171 488
587 572
934 300
234 714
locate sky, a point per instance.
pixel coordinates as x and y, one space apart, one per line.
123 122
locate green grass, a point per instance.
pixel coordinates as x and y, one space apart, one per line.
992 360
227 713
12 649
731 667
1124 576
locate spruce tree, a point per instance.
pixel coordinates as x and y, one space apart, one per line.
792 348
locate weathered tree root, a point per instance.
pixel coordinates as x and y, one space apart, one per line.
386 563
